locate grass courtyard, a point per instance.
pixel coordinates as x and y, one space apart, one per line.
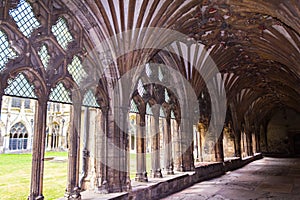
15 172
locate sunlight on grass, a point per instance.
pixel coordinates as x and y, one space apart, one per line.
15 172
133 164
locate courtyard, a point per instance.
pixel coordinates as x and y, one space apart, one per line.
15 172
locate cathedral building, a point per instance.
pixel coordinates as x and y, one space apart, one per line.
191 88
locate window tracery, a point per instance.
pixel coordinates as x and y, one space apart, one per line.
18 137
62 33
20 87
24 18
6 52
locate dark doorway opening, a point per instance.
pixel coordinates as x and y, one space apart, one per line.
297 143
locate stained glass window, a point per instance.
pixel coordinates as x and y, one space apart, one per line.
62 33
24 18
20 86
6 52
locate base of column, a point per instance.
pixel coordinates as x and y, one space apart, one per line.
74 195
102 188
141 177
31 197
170 172
157 174
128 184
199 159
181 168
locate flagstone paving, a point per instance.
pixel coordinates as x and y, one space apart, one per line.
268 178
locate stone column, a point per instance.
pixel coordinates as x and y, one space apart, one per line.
85 151
249 143
155 144
248 133
50 133
237 132
73 190
254 145
2 135
257 137
124 146
200 137
168 146
1 95
101 149
38 151
265 135
141 174
186 132
61 133
177 147
219 151
112 169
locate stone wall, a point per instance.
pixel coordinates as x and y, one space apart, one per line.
281 132
202 172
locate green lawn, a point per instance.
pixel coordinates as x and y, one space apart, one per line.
133 164
15 171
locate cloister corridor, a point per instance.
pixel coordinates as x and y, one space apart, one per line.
268 178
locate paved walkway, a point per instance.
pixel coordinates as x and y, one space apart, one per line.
268 178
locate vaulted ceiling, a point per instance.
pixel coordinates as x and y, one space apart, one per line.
255 44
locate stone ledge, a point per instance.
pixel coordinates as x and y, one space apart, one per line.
158 188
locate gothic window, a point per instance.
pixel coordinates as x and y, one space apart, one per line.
133 107
27 103
60 94
6 52
48 106
141 89
56 107
148 109
76 70
61 31
44 56
161 112
20 87
24 18
18 137
16 102
160 74
172 114
89 100
148 70
55 135
167 97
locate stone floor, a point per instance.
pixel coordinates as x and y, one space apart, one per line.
268 178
